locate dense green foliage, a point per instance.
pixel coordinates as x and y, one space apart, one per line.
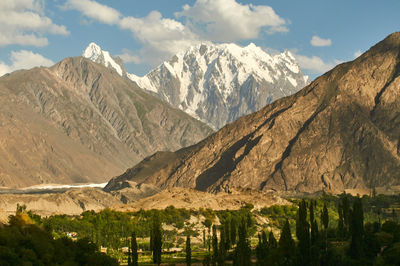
25 243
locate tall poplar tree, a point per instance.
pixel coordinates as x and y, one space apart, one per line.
188 251
242 253
134 249
286 245
357 230
303 234
214 257
156 239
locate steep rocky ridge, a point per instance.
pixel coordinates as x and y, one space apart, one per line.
80 122
340 132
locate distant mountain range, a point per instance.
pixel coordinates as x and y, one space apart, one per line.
79 121
340 132
216 83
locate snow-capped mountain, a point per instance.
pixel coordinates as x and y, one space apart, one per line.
219 83
96 54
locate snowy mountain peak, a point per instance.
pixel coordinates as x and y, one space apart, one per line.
217 83
96 54
93 51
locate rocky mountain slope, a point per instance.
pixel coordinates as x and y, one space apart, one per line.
216 83
80 122
342 131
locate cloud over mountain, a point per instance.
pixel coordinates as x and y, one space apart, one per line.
23 22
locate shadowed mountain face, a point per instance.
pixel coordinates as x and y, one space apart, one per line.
342 131
79 121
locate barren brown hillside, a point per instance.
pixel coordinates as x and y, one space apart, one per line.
81 122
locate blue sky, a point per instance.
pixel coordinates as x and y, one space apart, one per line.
144 33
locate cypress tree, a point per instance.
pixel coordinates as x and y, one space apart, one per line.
313 223
272 240
156 239
262 249
286 245
233 230
214 257
227 233
340 229
134 248
259 254
346 214
325 217
188 251
357 230
222 247
242 253
303 234
129 257
325 223
204 238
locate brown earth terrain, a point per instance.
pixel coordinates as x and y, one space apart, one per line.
79 121
340 132
75 201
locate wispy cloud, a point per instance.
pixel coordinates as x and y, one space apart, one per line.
228 20
24 59
357 53
314 64
94 10
129 57
24 22
318 41
206 20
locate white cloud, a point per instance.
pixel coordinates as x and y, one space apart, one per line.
129 57
227 20
94 10
162 37
318 41
357 53
23 22
314 64
24 59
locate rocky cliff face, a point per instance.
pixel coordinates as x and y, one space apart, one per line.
342 131
81 122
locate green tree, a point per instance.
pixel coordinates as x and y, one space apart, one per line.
227 233
222 246
325 217
272 240
313 223
286 245
134 249
233 230
303 234
156 239
262 249
215 254
188 251
357 230
242 253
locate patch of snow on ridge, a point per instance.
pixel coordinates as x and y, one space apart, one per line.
101 185
111 62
